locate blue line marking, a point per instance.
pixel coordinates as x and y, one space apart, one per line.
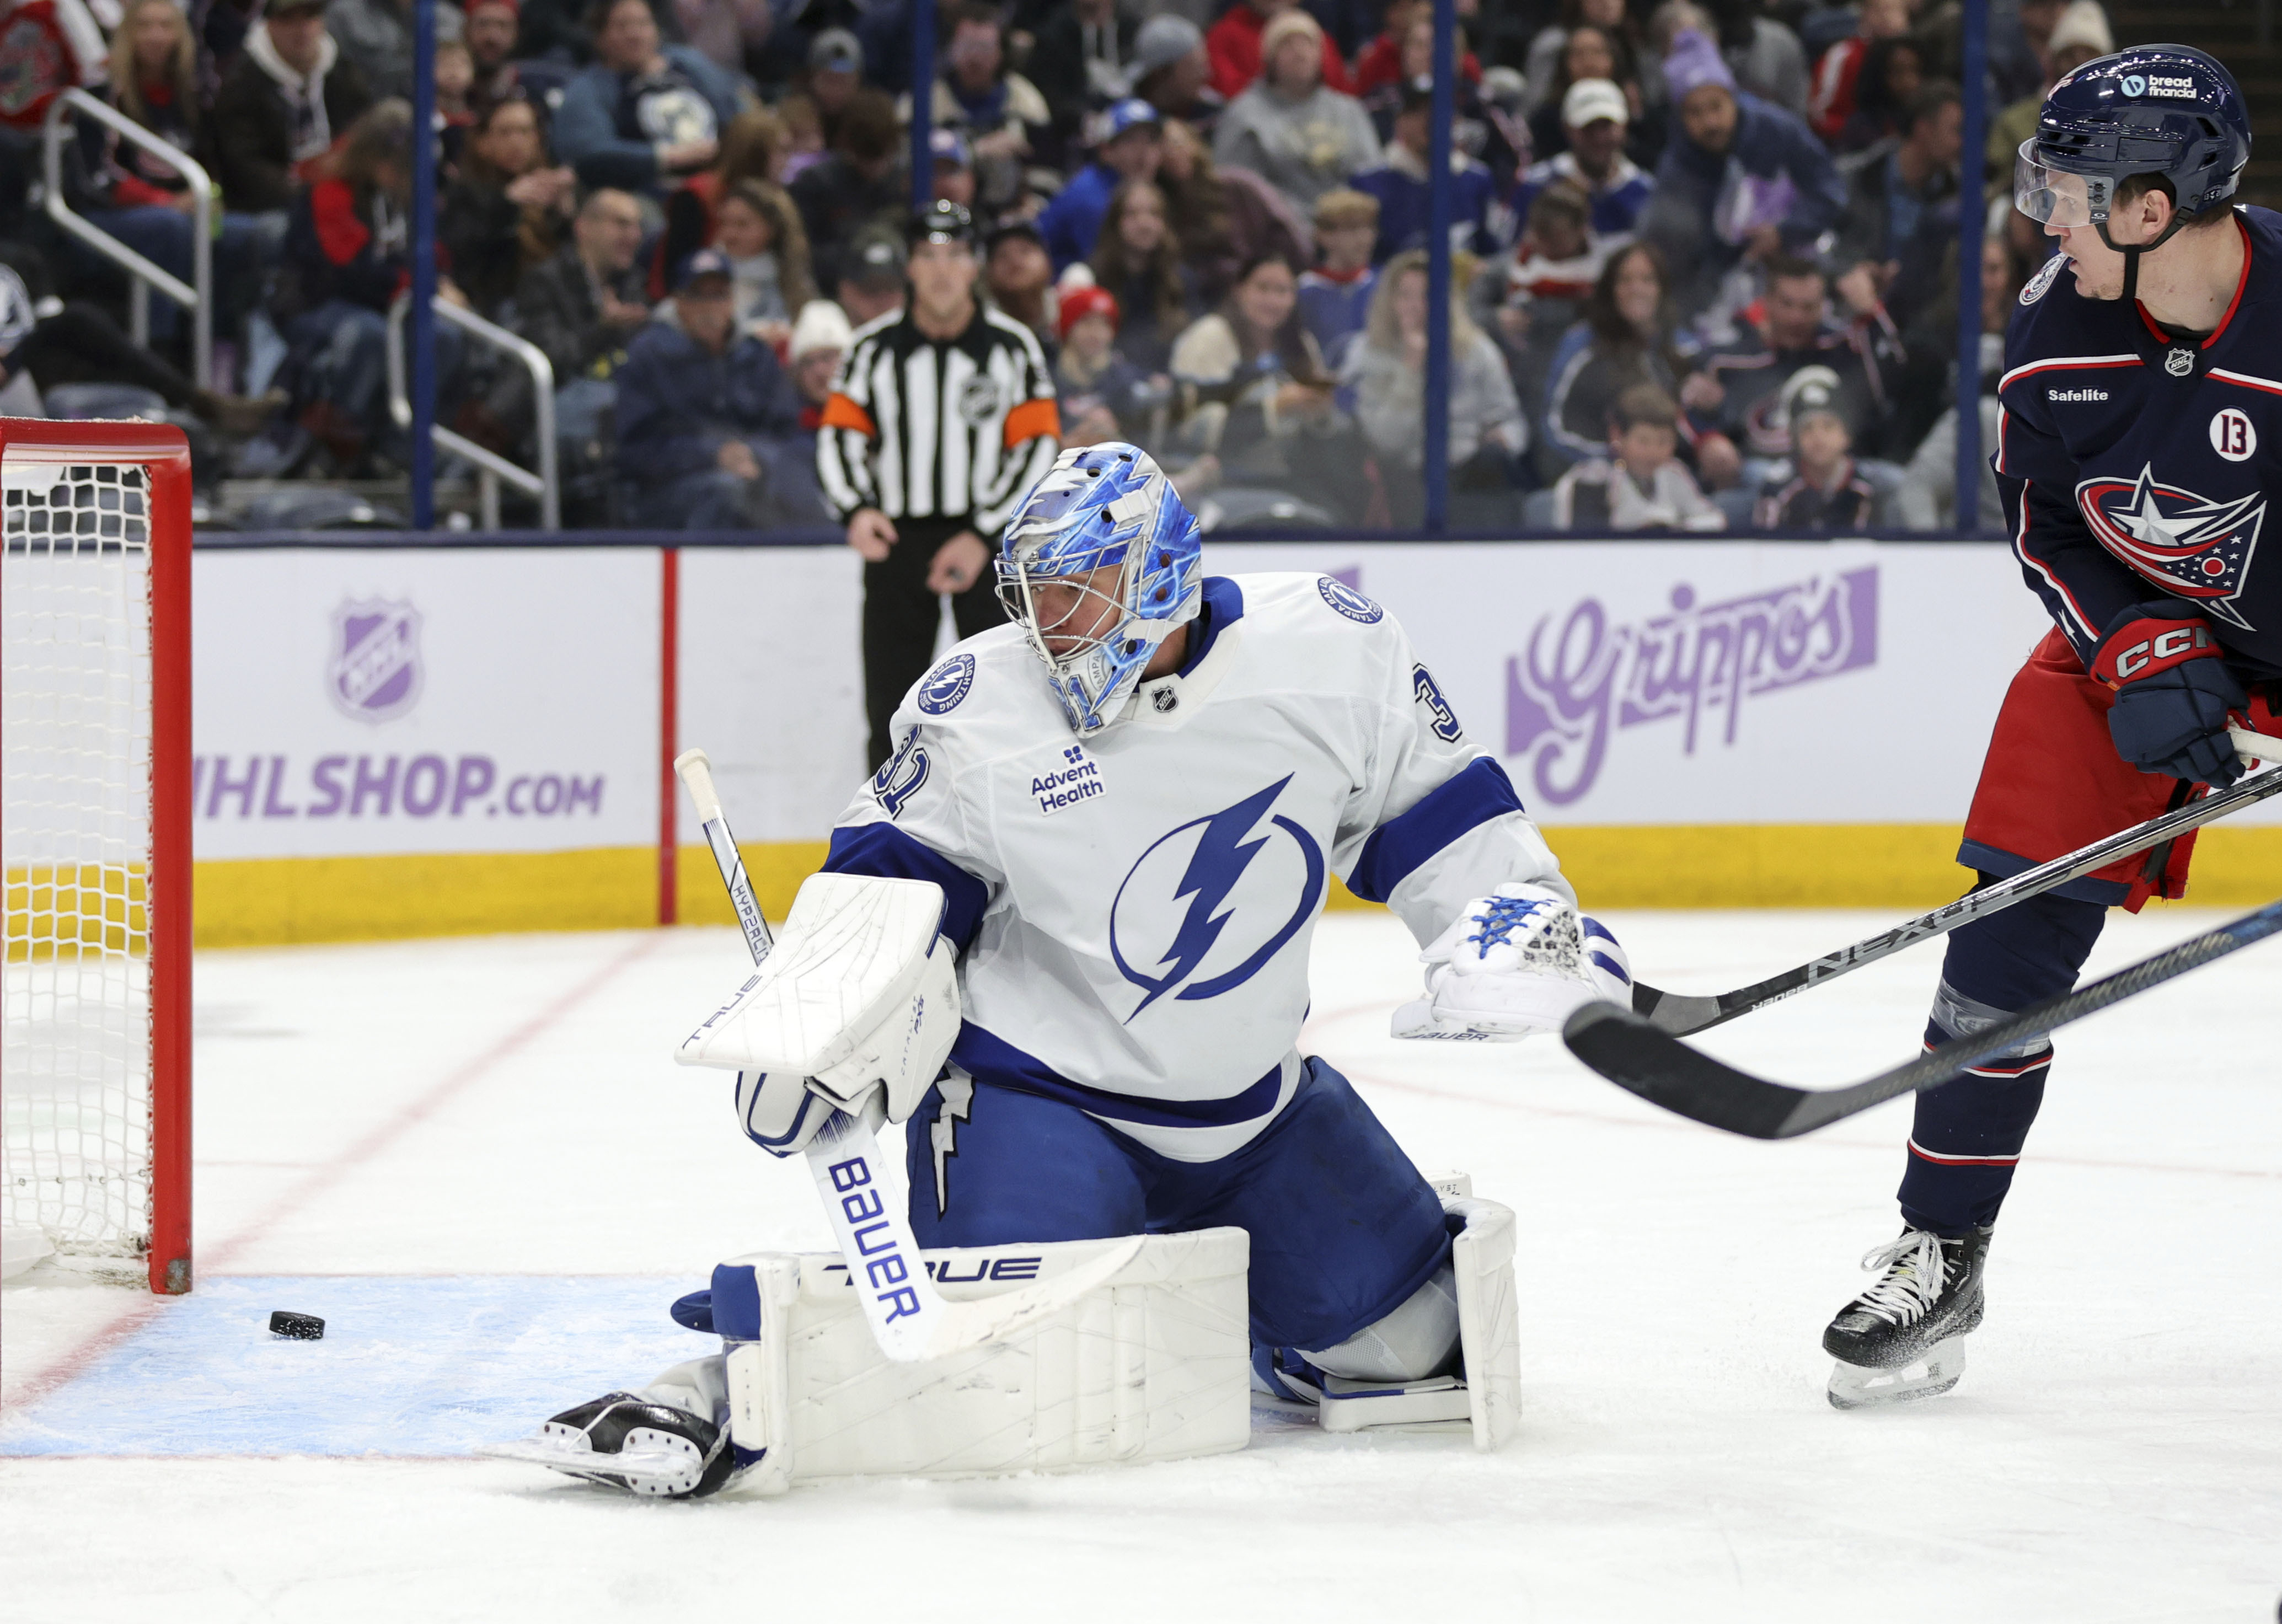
408 1366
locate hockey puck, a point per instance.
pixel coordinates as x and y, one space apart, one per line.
301 1327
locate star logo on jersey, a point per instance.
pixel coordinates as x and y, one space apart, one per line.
1208 904
2189 545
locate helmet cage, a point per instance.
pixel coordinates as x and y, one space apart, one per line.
1092 513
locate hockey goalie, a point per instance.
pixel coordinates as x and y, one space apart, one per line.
1062 939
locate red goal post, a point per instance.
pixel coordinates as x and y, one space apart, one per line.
94 833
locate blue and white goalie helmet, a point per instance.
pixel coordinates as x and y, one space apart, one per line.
1098 565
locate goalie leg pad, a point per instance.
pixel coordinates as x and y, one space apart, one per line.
1350 1393
1151 1365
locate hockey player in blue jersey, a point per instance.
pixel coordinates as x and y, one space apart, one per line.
2138 446
1131 803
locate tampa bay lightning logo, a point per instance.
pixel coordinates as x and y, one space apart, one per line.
1250 880
1349 601
942 688
2191 546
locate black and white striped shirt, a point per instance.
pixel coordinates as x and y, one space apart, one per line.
922 428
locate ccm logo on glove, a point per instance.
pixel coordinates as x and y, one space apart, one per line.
2142 648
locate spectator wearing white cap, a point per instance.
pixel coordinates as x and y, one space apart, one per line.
1597 118
1130 149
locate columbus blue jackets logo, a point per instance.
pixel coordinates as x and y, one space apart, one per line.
1208 904
2189 545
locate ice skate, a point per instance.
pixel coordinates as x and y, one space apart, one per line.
631 1442
1905 1337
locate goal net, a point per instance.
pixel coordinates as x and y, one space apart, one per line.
94 835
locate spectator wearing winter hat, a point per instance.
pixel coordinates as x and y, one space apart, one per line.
645 114
1594 114
1172 70
1237 45
1082 59
704 411
820 339
1742 180
1130 148
1291 126
1403 186
1820 488
1103 395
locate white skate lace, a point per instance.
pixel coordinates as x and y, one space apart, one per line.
1915 1273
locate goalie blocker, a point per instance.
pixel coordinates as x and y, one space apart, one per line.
1154 1363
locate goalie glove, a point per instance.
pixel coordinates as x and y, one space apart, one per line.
1512 965
856 1009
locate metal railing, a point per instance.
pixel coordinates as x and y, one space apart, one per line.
491 467
197 295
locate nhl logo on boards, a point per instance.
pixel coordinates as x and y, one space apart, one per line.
2179 361
374 673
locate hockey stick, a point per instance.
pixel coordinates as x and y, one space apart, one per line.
1681 1014
910 1319
1638 1056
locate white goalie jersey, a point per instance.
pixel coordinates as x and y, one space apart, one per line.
1134 912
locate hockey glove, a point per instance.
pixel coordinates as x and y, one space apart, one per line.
1514 964
2173 691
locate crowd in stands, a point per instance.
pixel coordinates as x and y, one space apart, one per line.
1704 251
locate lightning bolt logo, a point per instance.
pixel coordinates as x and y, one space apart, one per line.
1222 854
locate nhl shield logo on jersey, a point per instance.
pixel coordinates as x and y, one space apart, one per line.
374 672
1206 906
2178 362
2189 545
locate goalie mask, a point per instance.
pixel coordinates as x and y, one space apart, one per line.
1098 565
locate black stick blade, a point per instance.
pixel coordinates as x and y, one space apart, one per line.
1640 1058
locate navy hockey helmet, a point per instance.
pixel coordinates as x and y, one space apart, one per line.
2155 110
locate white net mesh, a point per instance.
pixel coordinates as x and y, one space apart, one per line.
75 839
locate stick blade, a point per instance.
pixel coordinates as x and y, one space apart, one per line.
983 1320
1677 1013
1640 1057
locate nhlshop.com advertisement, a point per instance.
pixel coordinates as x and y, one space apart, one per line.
372 704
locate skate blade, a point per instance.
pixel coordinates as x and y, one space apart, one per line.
643 1471
1936 1370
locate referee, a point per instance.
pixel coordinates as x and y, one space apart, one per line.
941 418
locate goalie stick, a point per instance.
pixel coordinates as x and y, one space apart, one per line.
1638 1056
912 1321
1681 1014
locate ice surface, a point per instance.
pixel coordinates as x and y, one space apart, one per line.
468 1150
